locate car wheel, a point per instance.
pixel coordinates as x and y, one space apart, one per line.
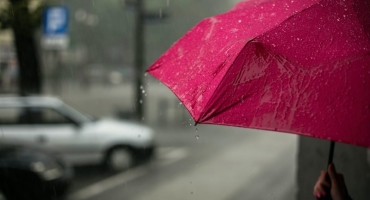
119 159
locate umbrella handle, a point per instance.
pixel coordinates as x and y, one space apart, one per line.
330 160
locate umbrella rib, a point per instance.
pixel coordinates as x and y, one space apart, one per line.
252 40
223 110
274 27
218 86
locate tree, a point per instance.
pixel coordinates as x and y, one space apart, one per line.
24 17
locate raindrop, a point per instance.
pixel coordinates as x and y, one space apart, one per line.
146 74
338 19
143 91
240 21
197 137
141 87
141 101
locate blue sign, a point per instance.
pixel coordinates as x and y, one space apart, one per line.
55 21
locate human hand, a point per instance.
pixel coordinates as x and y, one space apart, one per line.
336 185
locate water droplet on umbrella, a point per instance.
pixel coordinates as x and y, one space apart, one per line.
197 137
240 21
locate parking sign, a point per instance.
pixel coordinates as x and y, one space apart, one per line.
55 27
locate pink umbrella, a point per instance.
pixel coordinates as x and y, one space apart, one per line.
300 67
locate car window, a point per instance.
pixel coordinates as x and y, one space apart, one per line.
10 115
81 117
47 116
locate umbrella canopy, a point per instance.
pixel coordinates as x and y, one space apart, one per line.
299 67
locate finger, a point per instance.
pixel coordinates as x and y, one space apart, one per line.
332 173
340 177
320 193
319 190
323 175
325 184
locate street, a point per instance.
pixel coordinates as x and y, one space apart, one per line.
223 163
202 162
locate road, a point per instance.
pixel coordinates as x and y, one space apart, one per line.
203 162
212 162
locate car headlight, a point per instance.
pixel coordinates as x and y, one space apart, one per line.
47 170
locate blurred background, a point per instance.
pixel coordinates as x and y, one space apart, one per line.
98 68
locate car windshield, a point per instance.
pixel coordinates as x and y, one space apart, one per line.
77 115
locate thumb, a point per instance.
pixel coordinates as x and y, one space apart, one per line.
332 173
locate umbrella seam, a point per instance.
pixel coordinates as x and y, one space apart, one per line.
206 105
287 19
251 40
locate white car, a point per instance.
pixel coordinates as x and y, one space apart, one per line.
79 138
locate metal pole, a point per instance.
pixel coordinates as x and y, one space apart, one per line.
139 59
330 160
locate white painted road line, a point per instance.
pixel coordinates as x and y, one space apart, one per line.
108 183
172 156
166 156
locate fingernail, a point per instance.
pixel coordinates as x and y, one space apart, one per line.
318 196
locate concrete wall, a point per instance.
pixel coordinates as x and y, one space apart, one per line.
350 160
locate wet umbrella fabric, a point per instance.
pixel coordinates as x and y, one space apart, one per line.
300 67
